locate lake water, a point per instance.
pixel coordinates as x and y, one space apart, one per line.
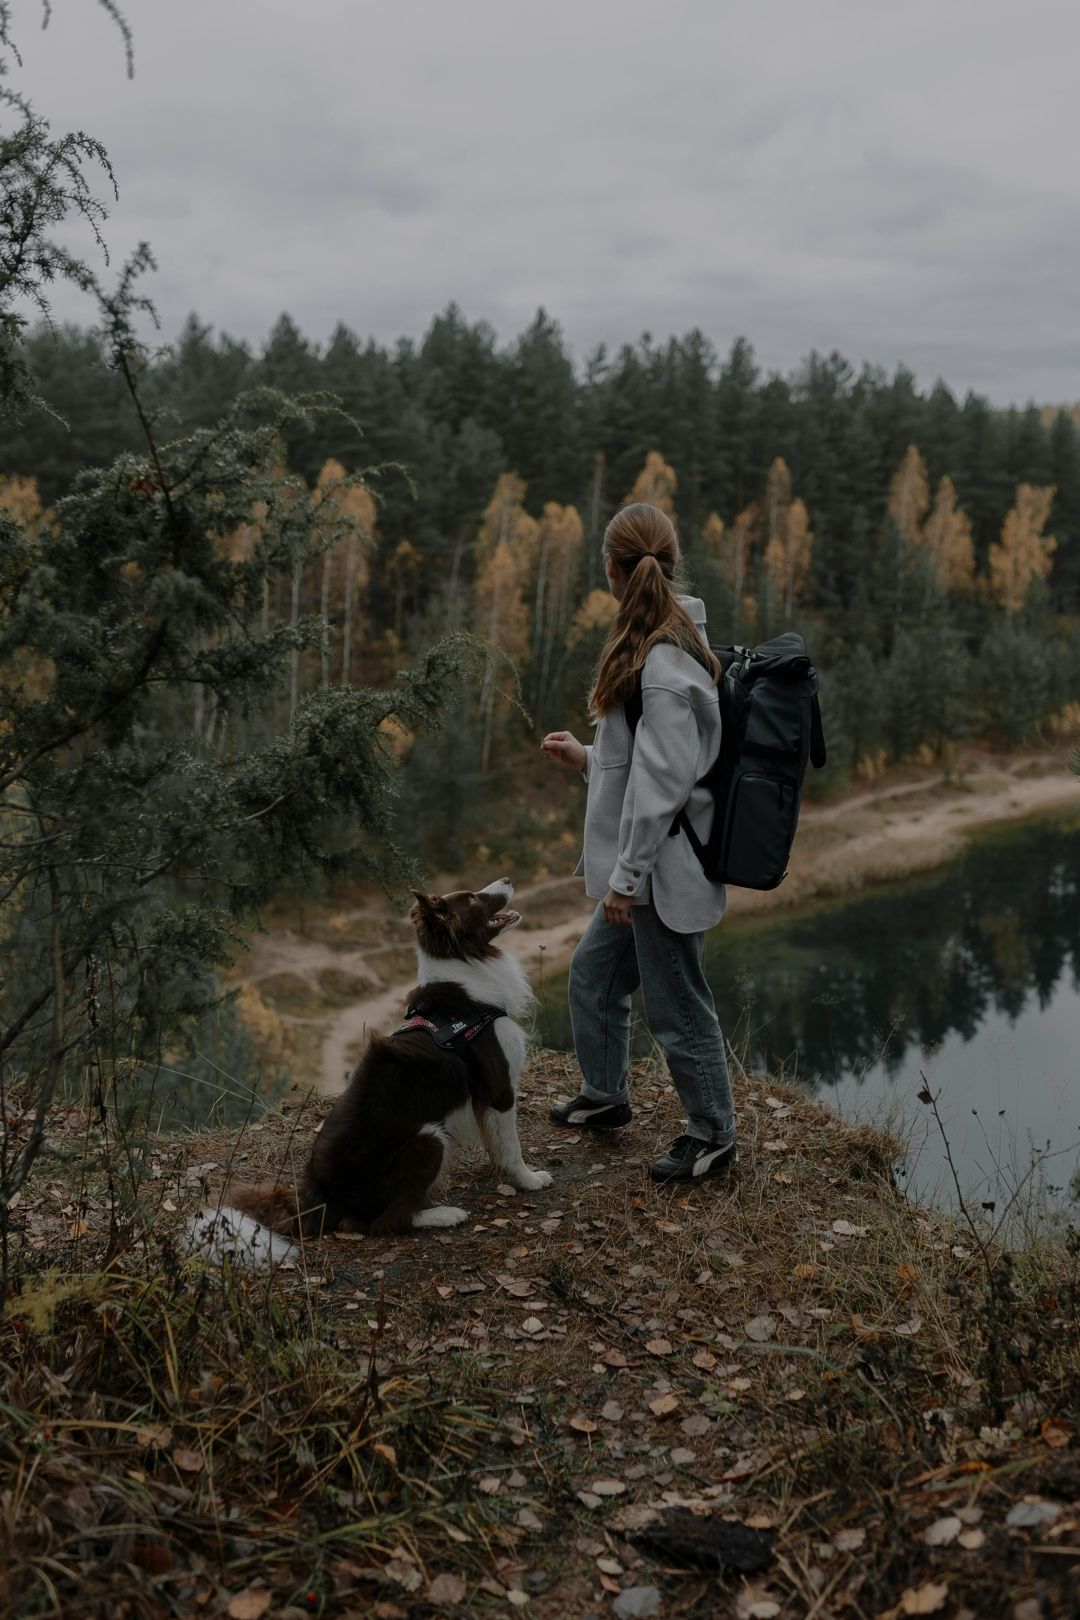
969 976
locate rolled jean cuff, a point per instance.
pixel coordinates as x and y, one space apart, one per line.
705 1133
594 1095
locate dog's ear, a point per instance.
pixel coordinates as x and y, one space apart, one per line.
428 902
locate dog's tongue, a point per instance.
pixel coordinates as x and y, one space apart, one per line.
505 917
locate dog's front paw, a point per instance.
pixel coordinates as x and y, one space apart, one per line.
533 1180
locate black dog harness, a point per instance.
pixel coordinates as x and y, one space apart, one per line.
454 1034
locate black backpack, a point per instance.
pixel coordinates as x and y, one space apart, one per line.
771 727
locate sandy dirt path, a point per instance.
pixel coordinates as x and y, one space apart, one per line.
878 835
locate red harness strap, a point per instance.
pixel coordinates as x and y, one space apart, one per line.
417 1021
455 1033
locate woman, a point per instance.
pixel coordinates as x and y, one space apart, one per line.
655 902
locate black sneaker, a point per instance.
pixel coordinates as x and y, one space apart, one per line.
592 1115
690 1159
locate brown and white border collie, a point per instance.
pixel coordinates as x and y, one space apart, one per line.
387 1144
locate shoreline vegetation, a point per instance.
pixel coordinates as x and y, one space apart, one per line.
335 972
793 1395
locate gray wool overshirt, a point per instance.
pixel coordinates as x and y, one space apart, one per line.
638 784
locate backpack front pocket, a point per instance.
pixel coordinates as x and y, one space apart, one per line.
763 813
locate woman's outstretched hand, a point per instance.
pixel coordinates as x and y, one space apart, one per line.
564 748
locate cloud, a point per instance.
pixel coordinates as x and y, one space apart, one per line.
895 182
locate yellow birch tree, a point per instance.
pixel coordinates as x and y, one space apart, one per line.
1024 553
19 496
558 560
787 558
656 483
347 520
909 495
502 618
777 501
947 538
506 522
595 612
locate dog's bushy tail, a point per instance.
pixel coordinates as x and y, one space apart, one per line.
253 1225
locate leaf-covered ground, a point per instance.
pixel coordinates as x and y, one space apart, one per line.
793 1394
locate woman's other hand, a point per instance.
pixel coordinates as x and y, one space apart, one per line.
617 909
564 748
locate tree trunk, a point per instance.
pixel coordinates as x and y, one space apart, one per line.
294 662
595 501
324 608
347 631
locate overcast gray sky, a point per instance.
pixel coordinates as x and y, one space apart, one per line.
895 180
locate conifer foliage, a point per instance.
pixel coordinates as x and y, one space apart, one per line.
162 772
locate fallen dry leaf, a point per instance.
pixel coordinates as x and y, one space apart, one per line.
971 1539
926 1599
191 1462
403 1572
704 1359
845 1229
760 1328
446 1590
158 1435
755 1603
849 1541
659 1347
607 1487
744 1466
583 1425
943 1531
1055 1431
1031 1513
635 1516
249 1604
664 1405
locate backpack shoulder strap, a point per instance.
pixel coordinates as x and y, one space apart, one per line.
818 754
634 707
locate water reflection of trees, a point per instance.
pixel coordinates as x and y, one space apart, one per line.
993 932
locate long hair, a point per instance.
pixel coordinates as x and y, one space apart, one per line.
641 541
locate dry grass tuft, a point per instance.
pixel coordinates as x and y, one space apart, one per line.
495 1417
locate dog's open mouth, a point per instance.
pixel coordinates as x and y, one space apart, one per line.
505 919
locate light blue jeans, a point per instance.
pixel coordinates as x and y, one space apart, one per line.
610 962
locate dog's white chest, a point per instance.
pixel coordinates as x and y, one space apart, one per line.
511 1038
